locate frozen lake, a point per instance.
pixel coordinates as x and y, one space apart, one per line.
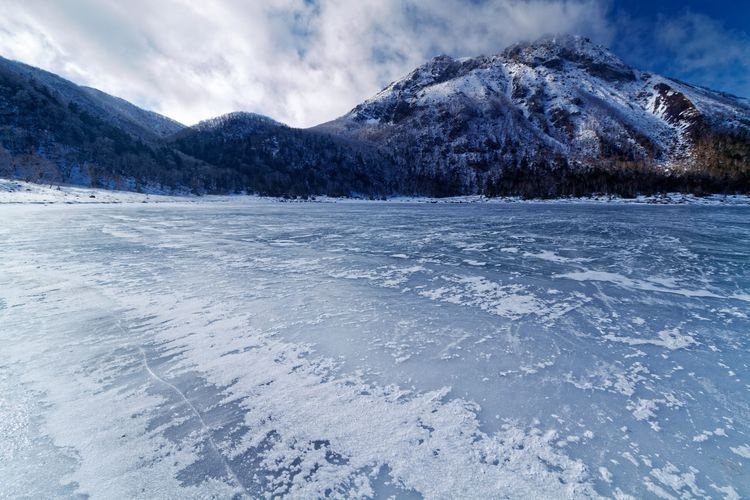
374 349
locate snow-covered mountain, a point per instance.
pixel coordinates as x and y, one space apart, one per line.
555 117
560 104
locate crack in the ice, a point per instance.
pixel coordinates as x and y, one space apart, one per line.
206 430
204 426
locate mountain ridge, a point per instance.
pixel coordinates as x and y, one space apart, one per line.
558 116
142 123
54 131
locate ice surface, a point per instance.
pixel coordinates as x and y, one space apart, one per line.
374 349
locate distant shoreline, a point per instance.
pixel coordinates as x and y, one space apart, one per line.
21 192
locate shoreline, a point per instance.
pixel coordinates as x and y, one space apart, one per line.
22 192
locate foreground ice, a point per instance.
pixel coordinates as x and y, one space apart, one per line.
198 350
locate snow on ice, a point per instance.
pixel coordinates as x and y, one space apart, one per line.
526 350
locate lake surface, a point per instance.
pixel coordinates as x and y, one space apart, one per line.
374 349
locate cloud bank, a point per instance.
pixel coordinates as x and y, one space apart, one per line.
302 62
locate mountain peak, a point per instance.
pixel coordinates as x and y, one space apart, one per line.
237 123
436 70
561 101
554 51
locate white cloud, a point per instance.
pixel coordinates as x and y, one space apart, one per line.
304 62
300 61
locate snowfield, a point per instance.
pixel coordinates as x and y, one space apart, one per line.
15 191
194 349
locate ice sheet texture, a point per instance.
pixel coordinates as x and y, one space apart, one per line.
374 349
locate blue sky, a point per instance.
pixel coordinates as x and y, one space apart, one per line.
308 61
733 14
700 41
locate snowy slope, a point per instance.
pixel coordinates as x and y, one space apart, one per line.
558 97
20 192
